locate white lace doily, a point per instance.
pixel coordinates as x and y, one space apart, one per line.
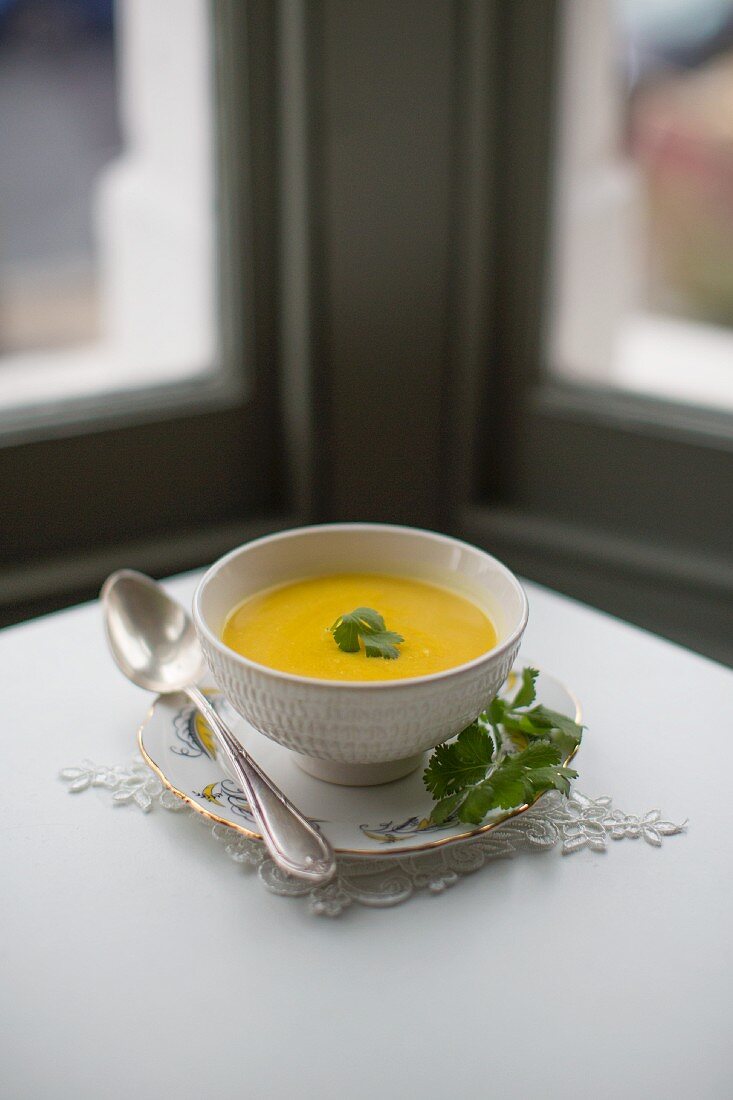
554 822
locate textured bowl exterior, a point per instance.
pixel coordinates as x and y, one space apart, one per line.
359 723
359 727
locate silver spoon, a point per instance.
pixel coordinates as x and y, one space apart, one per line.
154 644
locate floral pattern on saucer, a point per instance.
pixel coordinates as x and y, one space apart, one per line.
389 833
193 731
393 818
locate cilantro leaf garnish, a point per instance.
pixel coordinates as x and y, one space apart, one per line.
512 752
458 764
368 625
527 691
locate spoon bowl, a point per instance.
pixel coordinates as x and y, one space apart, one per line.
151 637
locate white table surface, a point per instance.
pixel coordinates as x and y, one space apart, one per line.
137 960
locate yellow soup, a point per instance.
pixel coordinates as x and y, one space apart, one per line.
288 627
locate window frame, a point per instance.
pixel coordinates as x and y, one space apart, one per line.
559 487
165 477
399 203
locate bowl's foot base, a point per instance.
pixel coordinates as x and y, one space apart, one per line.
358 775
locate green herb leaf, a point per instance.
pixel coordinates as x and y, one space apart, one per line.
383 644
496 711
516 780
368 625
506 788
461 763
477 804
482 771
561 730
445 809
545 779
540 754
346 634
526 693
558 721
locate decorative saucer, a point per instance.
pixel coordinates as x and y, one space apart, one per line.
359 821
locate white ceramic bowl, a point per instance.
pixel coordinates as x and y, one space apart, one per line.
359 733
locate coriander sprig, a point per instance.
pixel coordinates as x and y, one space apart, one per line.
510 754
367 624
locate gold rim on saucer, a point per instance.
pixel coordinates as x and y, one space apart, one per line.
362 852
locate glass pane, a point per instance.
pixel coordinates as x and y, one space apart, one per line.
106 196
643 235
58 120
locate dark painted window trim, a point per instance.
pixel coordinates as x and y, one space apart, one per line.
634 413
400 159
168 481
36 588
525 450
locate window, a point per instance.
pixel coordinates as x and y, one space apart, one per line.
600 464
59 120
643 226
108 265
408 326
138 397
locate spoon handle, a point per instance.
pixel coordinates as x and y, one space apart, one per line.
294 843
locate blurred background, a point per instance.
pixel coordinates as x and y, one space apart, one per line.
465 264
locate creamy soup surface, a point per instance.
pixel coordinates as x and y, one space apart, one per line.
288 627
